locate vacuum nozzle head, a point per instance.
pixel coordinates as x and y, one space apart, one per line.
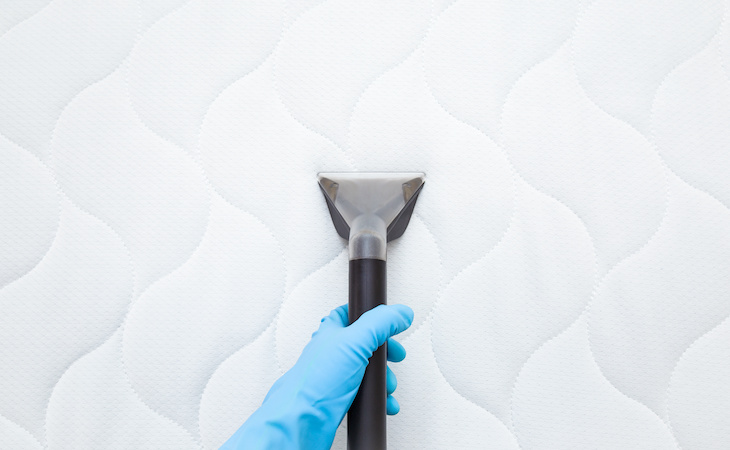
370 209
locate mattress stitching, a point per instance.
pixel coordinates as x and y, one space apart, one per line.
637 250
573 212
133 279
653 140
369 85
441 274
708 331
460 395
210 378
392 67
131 309
33 15
273 323
516 173
443 287
597 282
139 33
721 44
652 130
437 303
23 429
509 163
275 82
60 192
287 293
144 124
126 74
722 24
167 273
566 327
263 224
207 109
83 89
133 274
513 389
666 168
212 186
58 213
226 359
668 403
598 288
445 284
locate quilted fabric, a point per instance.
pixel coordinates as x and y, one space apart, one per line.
165 251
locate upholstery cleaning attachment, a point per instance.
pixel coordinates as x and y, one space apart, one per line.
369 210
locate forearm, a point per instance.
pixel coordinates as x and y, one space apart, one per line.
297 425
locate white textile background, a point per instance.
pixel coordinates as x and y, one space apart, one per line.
165 251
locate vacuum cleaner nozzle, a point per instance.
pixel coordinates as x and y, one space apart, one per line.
371 209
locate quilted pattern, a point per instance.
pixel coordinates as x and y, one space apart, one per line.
165 252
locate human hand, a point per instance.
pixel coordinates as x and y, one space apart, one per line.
306 405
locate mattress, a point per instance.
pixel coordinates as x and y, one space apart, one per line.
165 252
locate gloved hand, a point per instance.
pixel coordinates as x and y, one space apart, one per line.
306 405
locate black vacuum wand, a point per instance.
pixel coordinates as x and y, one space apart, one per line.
369 210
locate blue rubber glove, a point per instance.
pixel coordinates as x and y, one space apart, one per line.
306 405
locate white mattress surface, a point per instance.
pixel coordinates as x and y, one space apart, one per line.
165 251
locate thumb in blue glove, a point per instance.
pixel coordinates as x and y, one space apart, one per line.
306 405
